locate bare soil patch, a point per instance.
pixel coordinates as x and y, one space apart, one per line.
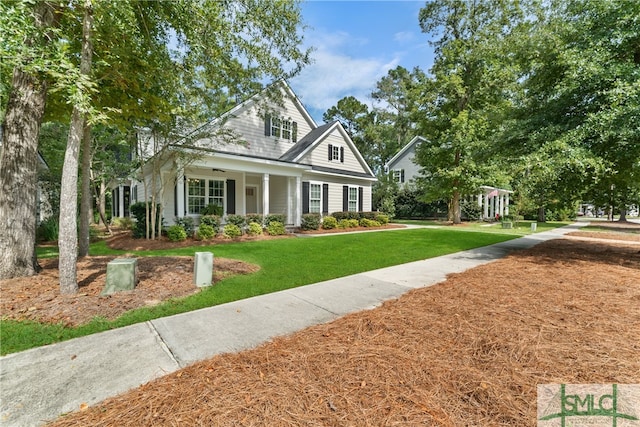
467 352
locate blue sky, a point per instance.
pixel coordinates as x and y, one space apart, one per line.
355 44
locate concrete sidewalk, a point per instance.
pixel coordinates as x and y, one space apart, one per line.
39 384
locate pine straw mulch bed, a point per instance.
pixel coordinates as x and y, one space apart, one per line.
466 352
38 297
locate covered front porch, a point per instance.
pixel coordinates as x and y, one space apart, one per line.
493 201
239 188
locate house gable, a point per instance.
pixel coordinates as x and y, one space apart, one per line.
329 147
403 164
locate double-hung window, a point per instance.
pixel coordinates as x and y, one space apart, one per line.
315 198
202 192
353 199
197 196
276 124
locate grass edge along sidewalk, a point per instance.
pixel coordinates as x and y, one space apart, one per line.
280 262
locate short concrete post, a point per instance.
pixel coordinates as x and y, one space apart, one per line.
122 275
534 226
203 269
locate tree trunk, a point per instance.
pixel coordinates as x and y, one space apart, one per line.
19 175
455 208
85 194
541 214
623 215
68 240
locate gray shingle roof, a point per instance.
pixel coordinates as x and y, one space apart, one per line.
306 142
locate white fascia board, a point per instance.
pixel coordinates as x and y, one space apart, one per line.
250 165
404 149
342 175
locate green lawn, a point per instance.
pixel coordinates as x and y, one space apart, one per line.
521 228
285 263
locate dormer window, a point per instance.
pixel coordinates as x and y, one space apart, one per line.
281 128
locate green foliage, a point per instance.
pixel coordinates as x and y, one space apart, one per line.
48 230
237 220
138 210
382 218
276 228
124 223
187 223
275 218
257 218
366 222
176 233
409 203
212 209
348 223
329 222
231 231
205 232
471 211
310 221
255 229
212 221
346 215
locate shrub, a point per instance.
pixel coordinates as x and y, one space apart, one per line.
237 220
275 218
212 209
276 228
346 215
48 229
255 229
138 210
253 217
388 206
211 220
348 223
367 215
125 223
187 224
176 233
329 223
231 231
366 222
382 218
310 221
470 210
205 232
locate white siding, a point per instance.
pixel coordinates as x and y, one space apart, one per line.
319 156
249 124
335 190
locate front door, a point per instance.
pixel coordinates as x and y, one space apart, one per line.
251 198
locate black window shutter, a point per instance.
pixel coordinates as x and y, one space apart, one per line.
330 152
345 198
185 197
267 125
360 197
305 197
231 196
175 199
401 175
114 205
325 199
294 132
341 154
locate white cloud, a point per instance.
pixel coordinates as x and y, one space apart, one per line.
404 36
335 75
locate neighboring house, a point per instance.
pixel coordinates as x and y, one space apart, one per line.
491 200
283 163
402 165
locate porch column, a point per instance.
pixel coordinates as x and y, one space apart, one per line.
298 202
500 205
506 206
120 201
180 194
486 206
290 201
265 194
492 207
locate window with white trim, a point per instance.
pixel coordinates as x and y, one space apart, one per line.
281 127
197 195
202 192
315 198
353 199
398 175
276 125
286 129
335 153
